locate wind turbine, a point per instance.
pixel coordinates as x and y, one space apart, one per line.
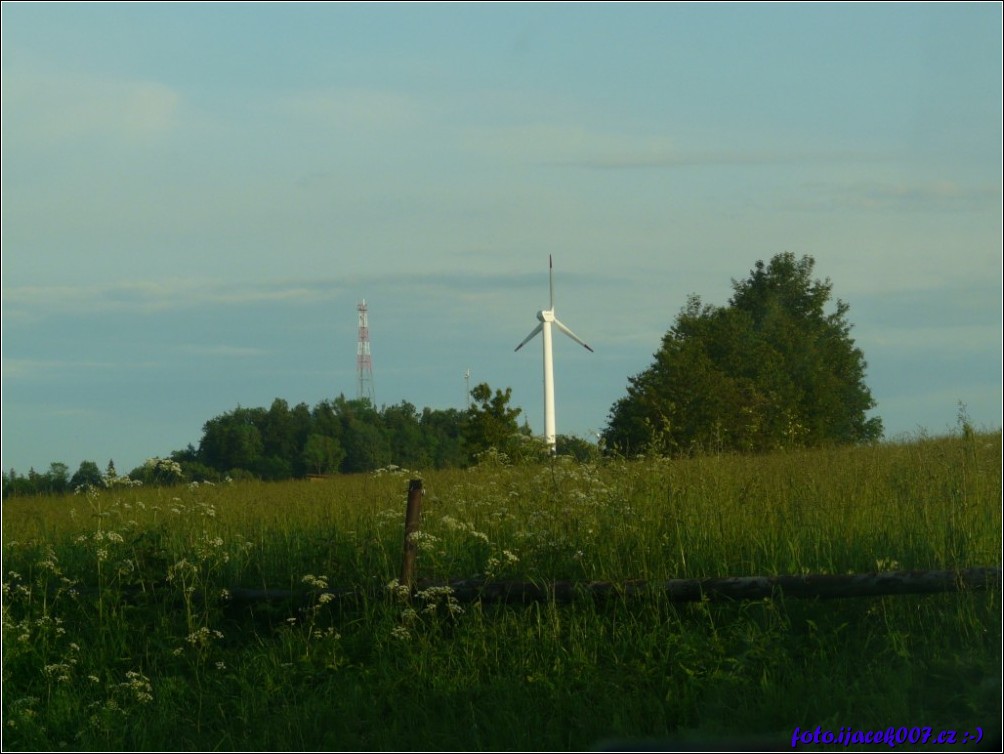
547 318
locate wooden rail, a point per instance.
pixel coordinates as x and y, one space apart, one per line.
819 586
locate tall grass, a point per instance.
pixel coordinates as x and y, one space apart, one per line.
118 633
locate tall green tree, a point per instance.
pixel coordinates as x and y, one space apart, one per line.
278 435
233 440
284 433
366 447
776 367
491 423
87 475
59 477
443 434
326 420
404 431
322 454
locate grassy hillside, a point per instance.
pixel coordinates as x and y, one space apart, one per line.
119 634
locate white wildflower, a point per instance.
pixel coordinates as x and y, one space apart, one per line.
399 590
409 615
139 685
318 582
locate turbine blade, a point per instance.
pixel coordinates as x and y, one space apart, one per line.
572 335
529 337
550 278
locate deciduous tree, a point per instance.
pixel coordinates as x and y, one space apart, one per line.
322 454
775 367
87 475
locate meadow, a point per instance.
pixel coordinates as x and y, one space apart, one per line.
120 631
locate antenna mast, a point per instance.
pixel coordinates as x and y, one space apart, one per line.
364 361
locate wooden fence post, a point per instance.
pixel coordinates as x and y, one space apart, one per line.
411 521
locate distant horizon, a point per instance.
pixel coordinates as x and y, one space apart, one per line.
917 435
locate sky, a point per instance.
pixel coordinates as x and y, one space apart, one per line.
195 198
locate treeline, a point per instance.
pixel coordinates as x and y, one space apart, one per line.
340 436
774 368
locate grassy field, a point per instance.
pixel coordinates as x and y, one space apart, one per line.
118 632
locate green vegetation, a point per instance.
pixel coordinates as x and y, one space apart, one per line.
771 370
339 436
118 633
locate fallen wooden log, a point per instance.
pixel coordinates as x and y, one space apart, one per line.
821 586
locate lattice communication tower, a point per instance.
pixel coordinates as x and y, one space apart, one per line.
364 360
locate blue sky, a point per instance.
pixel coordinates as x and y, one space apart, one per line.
196 196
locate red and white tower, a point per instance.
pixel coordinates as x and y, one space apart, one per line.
364 361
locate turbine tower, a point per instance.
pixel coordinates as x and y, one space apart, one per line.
364 361
547 318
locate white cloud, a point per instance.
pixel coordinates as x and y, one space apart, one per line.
884 196
222 350
33 369
927 339
570 144
27 302
353 108
45 110
73 412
